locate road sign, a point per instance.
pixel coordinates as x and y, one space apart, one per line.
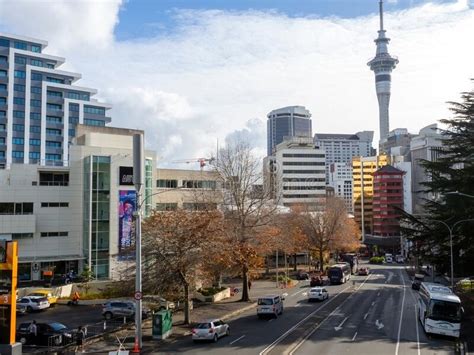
138 295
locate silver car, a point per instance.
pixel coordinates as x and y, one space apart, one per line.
33 303
210 329
121 309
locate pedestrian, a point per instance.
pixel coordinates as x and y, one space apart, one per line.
250 284
80 335
32 332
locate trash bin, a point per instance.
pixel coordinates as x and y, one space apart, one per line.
162 324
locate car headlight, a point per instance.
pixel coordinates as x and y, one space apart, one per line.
67 335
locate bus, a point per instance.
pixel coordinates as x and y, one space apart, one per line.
439 310
351 258
339 273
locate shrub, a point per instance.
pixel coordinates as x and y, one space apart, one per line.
210 291
377 260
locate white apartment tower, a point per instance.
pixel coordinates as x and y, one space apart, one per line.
300 174
40 104
340 178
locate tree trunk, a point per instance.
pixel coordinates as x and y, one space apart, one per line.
294 262
187 310
245 284
321 261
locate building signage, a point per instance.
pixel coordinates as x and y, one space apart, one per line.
126 175
127 206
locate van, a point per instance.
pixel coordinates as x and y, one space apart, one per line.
270 306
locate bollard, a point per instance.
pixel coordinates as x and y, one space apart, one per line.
105 325
124 320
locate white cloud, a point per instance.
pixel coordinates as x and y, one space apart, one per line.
219 69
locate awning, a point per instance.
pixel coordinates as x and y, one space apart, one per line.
38 259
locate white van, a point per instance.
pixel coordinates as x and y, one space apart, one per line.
270 306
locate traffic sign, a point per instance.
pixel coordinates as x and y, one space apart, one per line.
138 295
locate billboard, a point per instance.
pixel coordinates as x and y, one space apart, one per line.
127 206
126 175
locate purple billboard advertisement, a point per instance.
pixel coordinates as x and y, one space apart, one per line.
127 206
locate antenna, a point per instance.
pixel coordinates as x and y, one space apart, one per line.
381 14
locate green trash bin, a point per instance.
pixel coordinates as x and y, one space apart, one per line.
162 324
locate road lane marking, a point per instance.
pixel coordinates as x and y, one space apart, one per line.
353 338
294 294
297 305
236 340
378 293
378 324
401 318
366 315
321 323
416 322
288 332
270 320
339 327
372 304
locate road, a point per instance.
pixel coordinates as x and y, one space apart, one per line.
367 315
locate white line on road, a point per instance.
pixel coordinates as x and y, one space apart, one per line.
297 305
271 320
236 340
366 315
401 318
378 293
372 304
339 327
353 338
294 294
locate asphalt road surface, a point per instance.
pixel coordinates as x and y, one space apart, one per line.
373 314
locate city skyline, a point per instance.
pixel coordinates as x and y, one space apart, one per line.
200 80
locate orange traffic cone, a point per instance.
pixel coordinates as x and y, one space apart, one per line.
136 349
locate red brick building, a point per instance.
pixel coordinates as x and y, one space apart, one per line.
387 201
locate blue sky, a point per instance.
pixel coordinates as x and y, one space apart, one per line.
149 18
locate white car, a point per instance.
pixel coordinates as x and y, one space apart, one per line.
388 259
210 329
318 294
34 303
270 306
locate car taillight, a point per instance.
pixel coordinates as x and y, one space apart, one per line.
273 307
194 331
211 330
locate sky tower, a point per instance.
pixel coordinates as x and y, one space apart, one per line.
382 65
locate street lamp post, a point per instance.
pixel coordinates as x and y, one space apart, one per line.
459 194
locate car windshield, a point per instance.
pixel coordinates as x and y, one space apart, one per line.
203 326
444 310
335 272
265 302
315 290
57 326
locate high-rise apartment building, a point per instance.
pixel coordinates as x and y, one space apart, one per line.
287 122
382 65
398 143
340 179
300 174
40 104
363 169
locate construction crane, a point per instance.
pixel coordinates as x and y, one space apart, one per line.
202 161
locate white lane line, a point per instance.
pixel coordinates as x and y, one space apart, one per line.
236 340
366 315
288 332
378 293
339 327
321 323
294 294
416 322
297 305
353 338
372 304
270 320
401 318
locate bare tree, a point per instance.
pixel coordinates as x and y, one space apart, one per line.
246 205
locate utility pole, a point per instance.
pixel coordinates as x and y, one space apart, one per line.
138 176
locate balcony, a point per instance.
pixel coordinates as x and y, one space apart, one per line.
17 224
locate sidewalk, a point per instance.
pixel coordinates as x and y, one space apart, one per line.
225 310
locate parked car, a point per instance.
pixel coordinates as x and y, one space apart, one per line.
316 281
318 294
302 275
33 303
466 284
388 259
363 271
399 259
49 333
270 306
53 300
211 329
419 278
120 309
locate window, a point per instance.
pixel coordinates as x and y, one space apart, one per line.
53 131
35 116
35 142
55 93
34 155
20 74
4 42
3 73
20 45
54 204
90 122
35 129
36 90
50 65
19 87
54 119
18 100
37 62
17 140
166 206
18 154
199 184
36 76
54 234
73 120
54 178
74 107
20 60
3 114
16 236
192 206
78 96
3 101
2 141
54 107
172 184
53 157
94 110
3 87
2 154
35 48
35 103
2 127
3 59
72 132
55 80
301 163
53 144
18 127
304 172
18 114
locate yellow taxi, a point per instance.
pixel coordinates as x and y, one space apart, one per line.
45 293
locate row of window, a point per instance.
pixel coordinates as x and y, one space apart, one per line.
187 184
301 155
304 172
54 204
94 110
300 196
18 208
16 236
304 187
35 155
305 163
20 45
37 129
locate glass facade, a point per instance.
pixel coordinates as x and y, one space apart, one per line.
97 214
148 186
